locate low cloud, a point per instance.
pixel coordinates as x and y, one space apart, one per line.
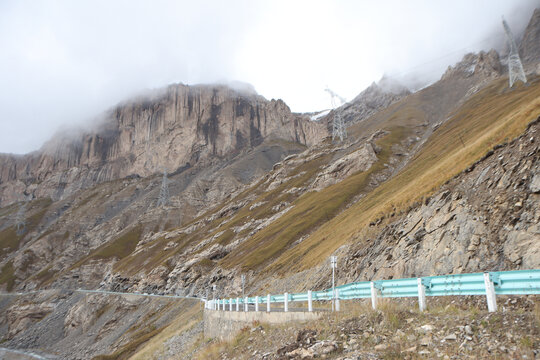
64 62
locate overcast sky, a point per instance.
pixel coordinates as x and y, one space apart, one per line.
64 62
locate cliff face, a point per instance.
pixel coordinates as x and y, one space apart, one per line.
176 128
376 97
529 48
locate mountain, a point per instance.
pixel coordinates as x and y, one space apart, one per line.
169 129
529 48
376 97
437 181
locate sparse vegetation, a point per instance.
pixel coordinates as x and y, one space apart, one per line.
127 350
7 276
121 247
9 240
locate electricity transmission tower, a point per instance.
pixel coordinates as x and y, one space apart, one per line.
338 126
515 68
20 221
163 198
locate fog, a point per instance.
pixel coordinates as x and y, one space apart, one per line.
62 63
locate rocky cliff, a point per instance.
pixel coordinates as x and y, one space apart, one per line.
170 129
529 48
374 98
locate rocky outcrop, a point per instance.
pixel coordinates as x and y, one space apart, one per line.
20 317
376 97
485 65
172 129
484 219
529 48
358 161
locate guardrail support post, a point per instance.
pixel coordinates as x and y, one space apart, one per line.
421 295
309 301
246 304
256 303
268 303
286 302
237 304
373 295
490 293
337 299
230 304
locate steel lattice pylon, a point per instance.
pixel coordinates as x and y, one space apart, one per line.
20 218
515 68
338 126
163 198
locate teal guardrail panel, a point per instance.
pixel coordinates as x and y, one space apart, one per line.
398 287
298 297
517 282
459 284
356 290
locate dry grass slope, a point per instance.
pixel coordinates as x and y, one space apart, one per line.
493 116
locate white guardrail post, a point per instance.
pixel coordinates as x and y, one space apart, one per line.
373 295
256 303
286 302
237 304
337 299
268 303
309 301
421 295
230 304
246 304
490 293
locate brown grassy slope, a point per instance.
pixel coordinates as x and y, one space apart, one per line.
490 117
310 211
402 119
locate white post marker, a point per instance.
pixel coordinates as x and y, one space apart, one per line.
286 302
230 304
237 304
256 303
268 303
421 295
373 295
309 301
337 299
490 293
333 264
246 304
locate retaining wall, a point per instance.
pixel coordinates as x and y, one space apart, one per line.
226 324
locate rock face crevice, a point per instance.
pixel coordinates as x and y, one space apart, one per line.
168 129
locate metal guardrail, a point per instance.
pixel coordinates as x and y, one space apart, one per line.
490 284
